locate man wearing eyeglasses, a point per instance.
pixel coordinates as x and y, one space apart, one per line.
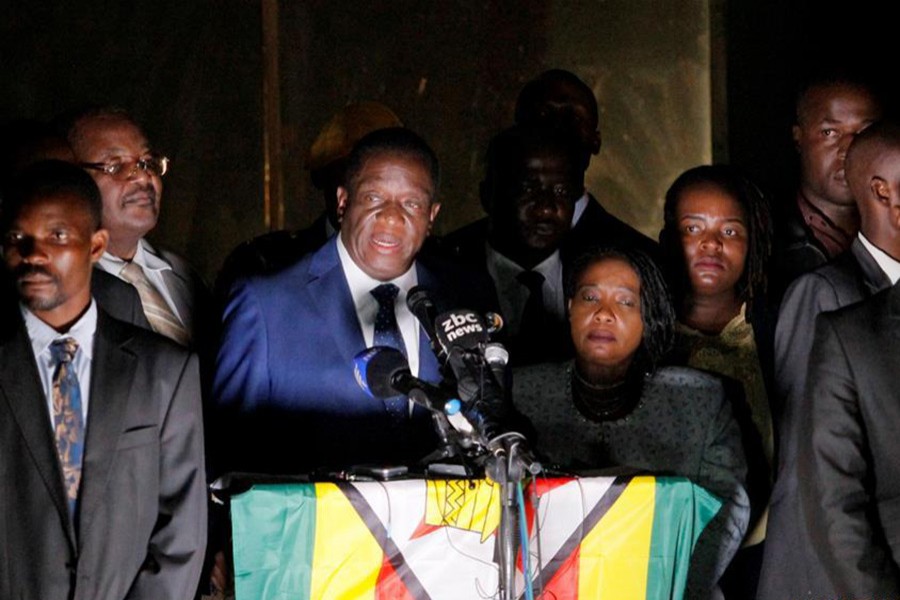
113 148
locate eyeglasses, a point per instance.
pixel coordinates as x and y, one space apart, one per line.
123 169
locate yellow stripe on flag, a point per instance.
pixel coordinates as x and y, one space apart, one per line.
346 558
614 555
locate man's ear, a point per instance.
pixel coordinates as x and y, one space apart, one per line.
342 197
881 190
795 134
433 213
99 241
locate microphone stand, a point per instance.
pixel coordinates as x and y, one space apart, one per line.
507 465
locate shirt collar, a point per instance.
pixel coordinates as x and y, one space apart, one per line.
42 335
831 237
885 261
145 256
580 205
361 283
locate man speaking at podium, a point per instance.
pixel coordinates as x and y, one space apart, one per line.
284 388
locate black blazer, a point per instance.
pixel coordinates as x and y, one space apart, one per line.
790 568
849 467
597 227
141 526
118 298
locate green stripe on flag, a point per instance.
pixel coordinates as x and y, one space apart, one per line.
669 540
269 523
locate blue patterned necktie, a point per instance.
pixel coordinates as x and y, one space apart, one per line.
387 333
68 424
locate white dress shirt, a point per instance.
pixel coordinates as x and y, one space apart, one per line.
42 336
366 305
580 205
887 263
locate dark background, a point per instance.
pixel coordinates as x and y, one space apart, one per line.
679 83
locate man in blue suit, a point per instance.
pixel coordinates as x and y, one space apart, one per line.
284 385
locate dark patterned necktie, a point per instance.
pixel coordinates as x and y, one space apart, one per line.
68 424
534 307
532 333
387 333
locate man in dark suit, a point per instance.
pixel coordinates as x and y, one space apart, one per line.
284 387
559 99
871 265
101 438
819 220
848 469
114 150
533 177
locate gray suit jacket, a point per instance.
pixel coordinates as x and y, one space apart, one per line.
141 527
790 569
849 469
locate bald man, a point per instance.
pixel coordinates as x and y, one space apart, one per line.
848 473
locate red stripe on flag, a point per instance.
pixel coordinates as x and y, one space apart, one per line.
389 585
423 529
564 584
545 485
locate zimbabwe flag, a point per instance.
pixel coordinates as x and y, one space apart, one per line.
616 538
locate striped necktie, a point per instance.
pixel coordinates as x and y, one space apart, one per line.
68 423
161 317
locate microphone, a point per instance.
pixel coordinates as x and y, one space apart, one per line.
480 369
463 336
463 328
419 302
382 372
497 357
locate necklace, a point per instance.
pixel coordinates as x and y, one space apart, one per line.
605 401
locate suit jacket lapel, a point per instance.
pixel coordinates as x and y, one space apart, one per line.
330 294
112 373
180 289
874 278
20 387
894 309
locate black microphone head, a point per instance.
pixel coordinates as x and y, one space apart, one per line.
375 368
419 298
461 328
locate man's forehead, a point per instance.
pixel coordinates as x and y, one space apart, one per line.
110 136
385 166
539 160
828 102
55 205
